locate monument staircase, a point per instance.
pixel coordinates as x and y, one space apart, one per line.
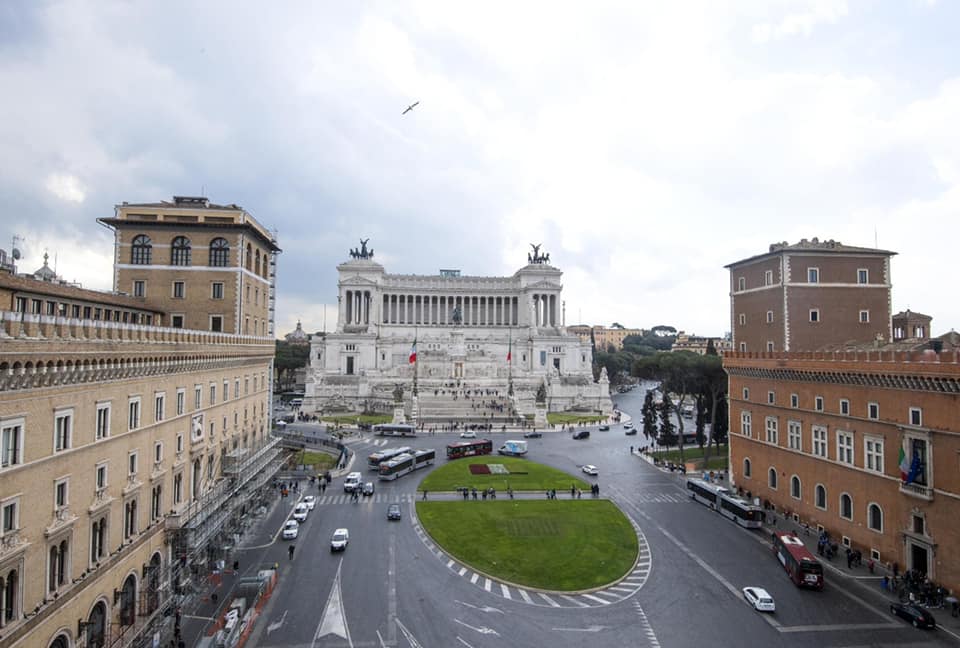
445 407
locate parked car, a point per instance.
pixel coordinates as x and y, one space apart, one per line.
631 431
393 512
591 470
532 435
368 489
290 530
341 537
759 598
604 428
581 434
919 617
310 501
300 512
468 434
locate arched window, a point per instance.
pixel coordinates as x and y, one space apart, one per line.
141 250
772 478
219 253
875 517
248 263
97 626
62 641
746 467
846 506
795 487
264 273
151 581
11 585
821 496
256 265
180 251
128 601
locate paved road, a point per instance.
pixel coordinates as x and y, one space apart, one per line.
391 587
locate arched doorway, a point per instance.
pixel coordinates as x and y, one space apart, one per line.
128 601
151 584
97 626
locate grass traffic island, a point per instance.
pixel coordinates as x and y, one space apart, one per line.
564 545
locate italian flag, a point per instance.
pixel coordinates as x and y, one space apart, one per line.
904 464
413 352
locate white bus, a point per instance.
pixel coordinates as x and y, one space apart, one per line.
397 467
423 458
741 511
378 457
394 429
705 492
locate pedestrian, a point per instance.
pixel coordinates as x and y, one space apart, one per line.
484 493
424 493
579 492
290 551
573 491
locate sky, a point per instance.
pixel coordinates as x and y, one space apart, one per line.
645 145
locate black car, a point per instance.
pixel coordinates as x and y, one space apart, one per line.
533 435
915 614
631 431
393 512
582 434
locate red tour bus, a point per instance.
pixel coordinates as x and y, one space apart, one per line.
801 565
469 448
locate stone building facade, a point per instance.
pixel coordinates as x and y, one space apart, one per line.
818 435
809 294
130 452
464 327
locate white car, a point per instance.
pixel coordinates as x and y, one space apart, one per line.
290 530
340 539
300 512
591 470
468 434
759 598
310 501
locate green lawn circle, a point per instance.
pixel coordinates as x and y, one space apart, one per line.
561 545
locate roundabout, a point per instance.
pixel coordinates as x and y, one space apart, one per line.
571 549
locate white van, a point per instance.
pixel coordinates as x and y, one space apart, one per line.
352 482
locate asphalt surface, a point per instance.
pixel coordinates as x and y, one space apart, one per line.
393 587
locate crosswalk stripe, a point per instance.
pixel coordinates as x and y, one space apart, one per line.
525 596
573 600
548 600
506 591
596 598
487 584
622 589
473 579
449 563
463 570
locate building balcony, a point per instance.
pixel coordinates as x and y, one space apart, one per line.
917 490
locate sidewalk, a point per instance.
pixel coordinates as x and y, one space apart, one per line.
856 577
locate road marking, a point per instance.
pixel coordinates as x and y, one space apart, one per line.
646 627
525 596
621 589
333 621
481 630
276 625
593 628
464 642
463 570
473 579
576 602
839 627
408 636
392 588
548 600
485 608
487 584
506 591
449 563
596 598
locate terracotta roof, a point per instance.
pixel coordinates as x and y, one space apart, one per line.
36 287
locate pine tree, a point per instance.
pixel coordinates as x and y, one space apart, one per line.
668 435
649 412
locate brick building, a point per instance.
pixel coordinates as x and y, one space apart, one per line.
131 449
604 337
818 436
806 295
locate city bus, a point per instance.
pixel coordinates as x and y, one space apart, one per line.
378 457
801 565
469 448
402 464
394 429
705 492
741 511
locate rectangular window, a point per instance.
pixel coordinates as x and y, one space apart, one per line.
771 397
132 463
197 396
863 276
916 416
864 317
873 411
814 314
159 401
10 518
741 283
139 288
133 414
794 401
63 430
819 441
179 443
60 493
746 393
236 388
742 318
51 308
101 476
873 453
746 425
772 430
12 438
845 407
156 502
216 323
226 390
176 321
769 317
818 403
216 290
813 275
768 278
21 306
178 290
845 447
178 488
213 394
181 401
794 435
158 452
36 305
743 347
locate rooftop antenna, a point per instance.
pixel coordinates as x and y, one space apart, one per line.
875 243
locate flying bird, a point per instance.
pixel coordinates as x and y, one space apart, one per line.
410 107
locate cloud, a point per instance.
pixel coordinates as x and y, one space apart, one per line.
66 187
802 23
